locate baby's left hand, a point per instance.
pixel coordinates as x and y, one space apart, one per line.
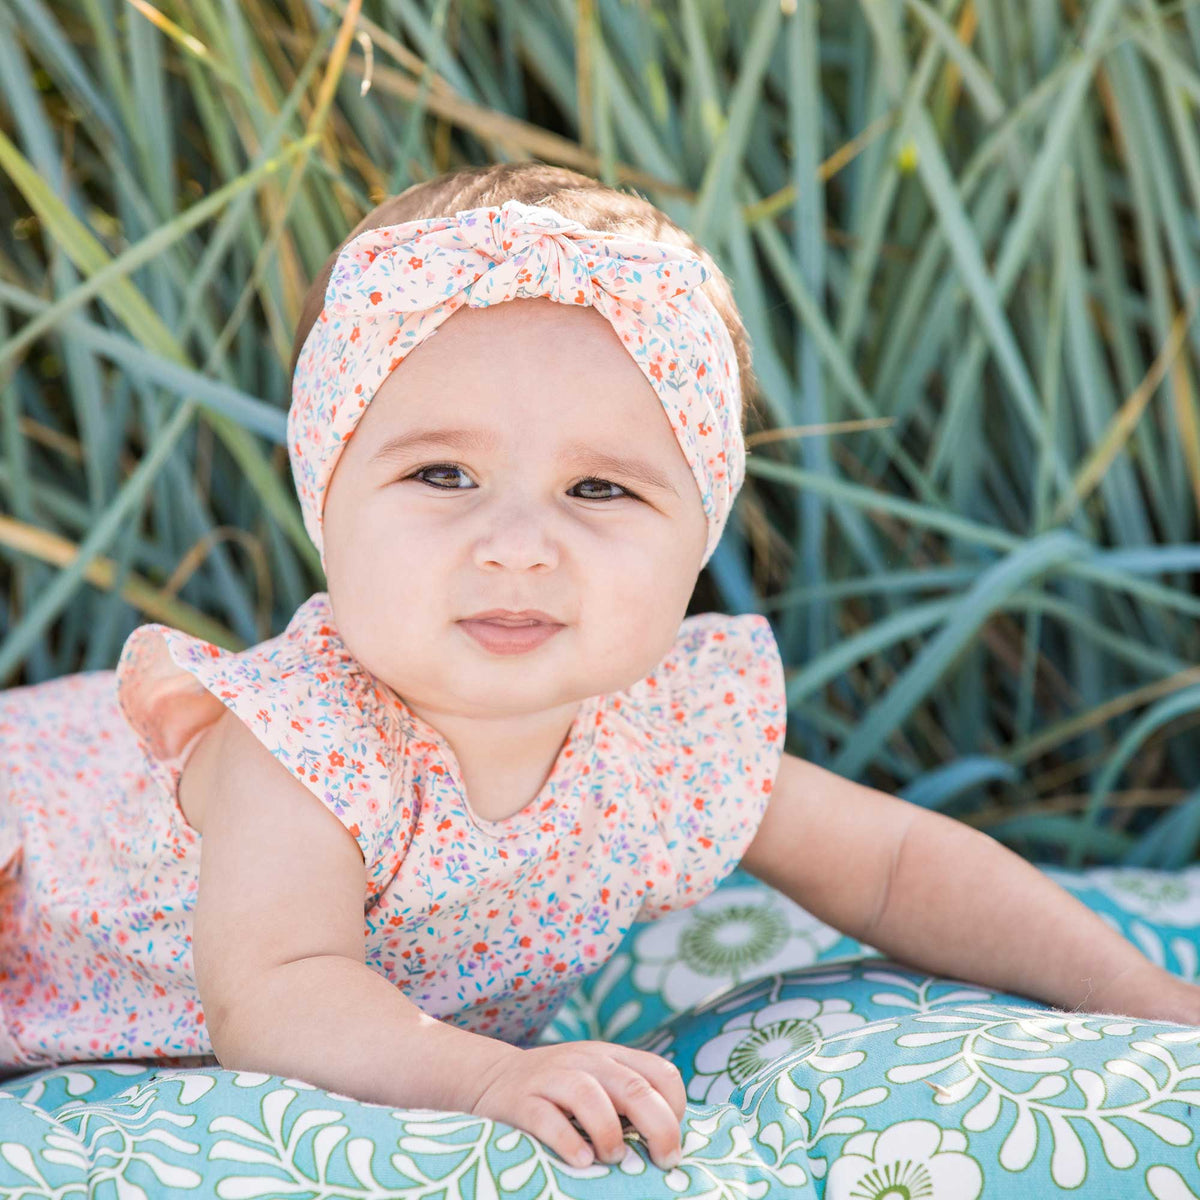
1184 1006
1155 995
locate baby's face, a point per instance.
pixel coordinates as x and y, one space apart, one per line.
529 515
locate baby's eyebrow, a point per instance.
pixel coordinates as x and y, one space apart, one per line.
476 439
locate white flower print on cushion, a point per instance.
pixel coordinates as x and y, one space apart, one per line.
732 936
910 1159
752 1042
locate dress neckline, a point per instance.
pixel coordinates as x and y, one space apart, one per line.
573 752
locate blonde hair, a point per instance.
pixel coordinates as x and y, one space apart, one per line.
570 194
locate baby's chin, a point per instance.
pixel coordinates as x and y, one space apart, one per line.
499 693
435 710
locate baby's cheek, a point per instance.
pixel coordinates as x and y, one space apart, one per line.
369 621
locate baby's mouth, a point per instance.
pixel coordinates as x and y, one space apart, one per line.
523 619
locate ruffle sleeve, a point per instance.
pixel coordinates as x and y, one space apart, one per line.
303 696
717 707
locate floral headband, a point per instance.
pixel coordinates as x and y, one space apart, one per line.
391 287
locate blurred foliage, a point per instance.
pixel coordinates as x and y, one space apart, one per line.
969 228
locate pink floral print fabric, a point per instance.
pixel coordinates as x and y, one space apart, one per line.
489 925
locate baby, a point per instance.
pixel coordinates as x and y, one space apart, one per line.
516 435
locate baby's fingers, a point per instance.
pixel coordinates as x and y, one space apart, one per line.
637 1098
664 1075
550 1125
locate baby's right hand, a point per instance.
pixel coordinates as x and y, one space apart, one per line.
594 1081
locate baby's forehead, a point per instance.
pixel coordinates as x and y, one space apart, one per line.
555 363
530 319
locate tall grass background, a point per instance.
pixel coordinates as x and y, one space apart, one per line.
964 238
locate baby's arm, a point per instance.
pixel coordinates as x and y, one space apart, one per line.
279 953
279 948
949 899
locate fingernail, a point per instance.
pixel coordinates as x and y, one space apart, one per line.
672 1159
583 1158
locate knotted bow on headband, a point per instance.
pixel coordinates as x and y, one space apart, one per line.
393 286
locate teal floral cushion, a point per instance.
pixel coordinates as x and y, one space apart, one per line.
814 1066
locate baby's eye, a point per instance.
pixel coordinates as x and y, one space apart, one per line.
583 483
604 483
438 467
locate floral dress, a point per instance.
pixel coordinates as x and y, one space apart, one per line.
489 925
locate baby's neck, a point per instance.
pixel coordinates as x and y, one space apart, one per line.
504 763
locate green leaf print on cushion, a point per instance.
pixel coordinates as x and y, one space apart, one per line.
815 1070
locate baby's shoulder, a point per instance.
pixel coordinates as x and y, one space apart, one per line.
227 753
216 752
